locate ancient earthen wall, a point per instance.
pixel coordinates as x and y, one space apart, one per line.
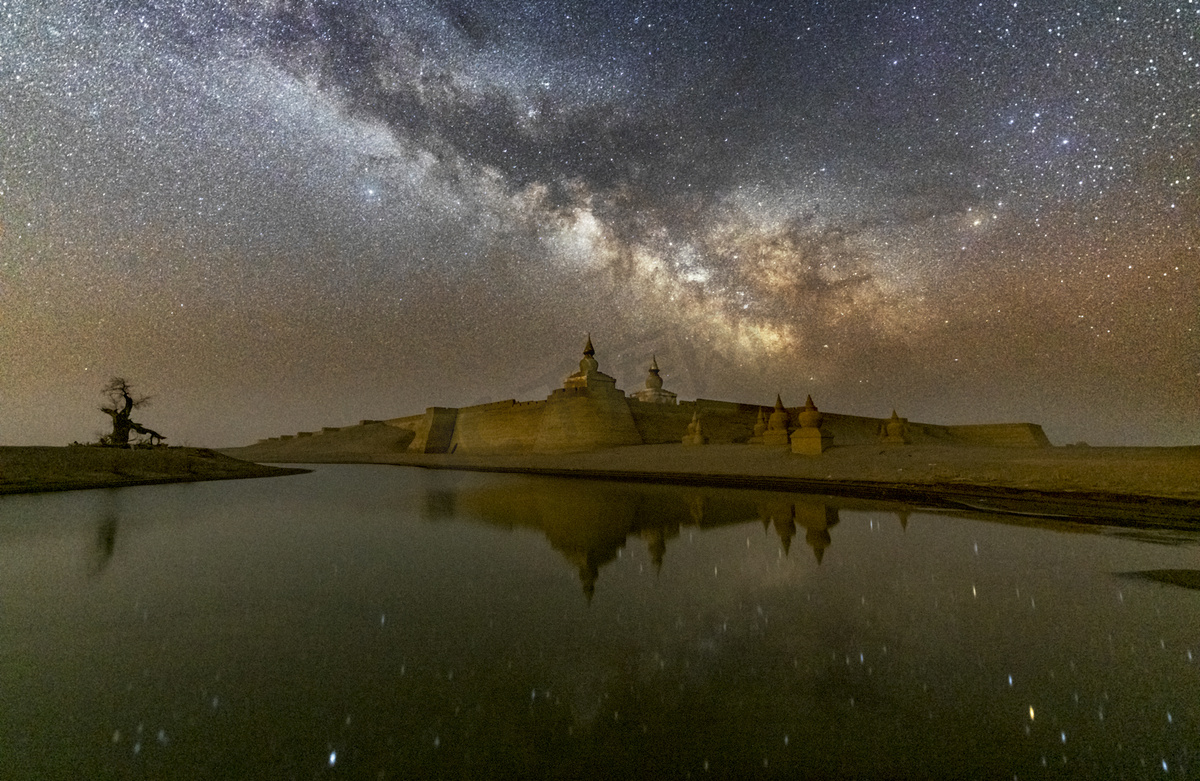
436 431
724 422
348 443
849 429
502 427
661 423
856 430
1000 435
590 418
586 419
409 423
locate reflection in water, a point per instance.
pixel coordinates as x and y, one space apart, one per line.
324 626
1184 578
816 520
104 545
588 523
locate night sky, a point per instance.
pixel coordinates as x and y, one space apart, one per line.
276 216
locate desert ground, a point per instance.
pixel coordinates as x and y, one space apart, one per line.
1084 482
1122 485
36 469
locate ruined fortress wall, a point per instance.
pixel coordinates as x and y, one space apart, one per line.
585 419
408 423
660 423
724 422
435 430
847 429
860 430
502 427
856 430
575 419
1000 435
347 443
431 430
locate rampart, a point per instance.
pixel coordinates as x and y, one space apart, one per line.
501 427
586 419
1000 434
589 413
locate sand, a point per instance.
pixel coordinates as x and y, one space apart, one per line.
37 469
1120 485
1105 484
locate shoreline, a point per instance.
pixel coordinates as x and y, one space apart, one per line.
1079 507
44 469
1130 486
1122 486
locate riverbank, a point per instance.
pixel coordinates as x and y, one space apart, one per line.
1119 485
38 469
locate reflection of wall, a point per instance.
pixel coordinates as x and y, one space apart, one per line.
589 522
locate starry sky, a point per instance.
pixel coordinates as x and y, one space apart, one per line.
276 215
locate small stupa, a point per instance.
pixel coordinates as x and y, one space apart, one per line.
760 428
653 393
694 435
810 439
895 430
777 425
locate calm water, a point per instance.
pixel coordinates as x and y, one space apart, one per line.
380 622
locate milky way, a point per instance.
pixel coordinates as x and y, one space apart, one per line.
275 216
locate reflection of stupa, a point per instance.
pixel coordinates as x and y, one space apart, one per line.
779 515
816 519
589 564
588 524
656 545
786 529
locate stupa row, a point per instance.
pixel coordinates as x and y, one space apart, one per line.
589 412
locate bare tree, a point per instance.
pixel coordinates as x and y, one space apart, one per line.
120 407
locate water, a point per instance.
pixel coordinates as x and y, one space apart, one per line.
381 622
